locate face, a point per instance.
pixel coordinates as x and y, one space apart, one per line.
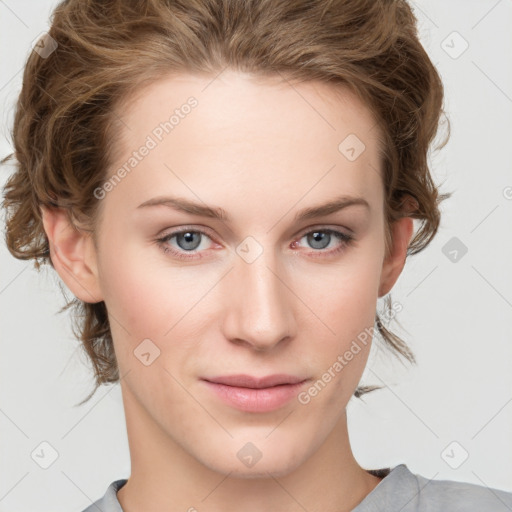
265 287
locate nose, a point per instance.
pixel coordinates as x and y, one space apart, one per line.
259 307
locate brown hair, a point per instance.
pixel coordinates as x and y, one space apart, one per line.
106 50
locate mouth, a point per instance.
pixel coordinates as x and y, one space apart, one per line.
248 381
255 394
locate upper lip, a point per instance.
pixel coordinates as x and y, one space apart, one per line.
248 381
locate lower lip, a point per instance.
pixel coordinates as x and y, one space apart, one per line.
256 400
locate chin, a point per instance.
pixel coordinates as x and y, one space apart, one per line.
276 463
260 470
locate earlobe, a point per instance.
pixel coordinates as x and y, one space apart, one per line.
73 254
393 265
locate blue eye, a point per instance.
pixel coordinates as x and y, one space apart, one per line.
321 238
188 242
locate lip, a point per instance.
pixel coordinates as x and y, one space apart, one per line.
248 381
255 394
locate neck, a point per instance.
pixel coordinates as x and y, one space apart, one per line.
164 476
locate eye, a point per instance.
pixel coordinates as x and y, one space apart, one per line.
188 241
190 245
320 239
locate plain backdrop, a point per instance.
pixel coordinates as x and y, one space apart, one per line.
448 417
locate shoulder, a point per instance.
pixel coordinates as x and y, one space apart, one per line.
462 496
403 490
108 502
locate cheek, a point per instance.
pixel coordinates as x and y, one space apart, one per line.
343 299
133 288
148 297
343 295
350 316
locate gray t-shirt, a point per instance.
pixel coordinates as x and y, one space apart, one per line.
399 490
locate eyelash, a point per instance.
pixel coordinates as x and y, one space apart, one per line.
346 241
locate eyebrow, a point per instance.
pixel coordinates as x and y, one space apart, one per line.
202 210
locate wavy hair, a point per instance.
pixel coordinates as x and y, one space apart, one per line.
63 138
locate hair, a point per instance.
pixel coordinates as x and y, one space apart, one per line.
106 50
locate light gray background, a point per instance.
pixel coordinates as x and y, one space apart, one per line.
457 316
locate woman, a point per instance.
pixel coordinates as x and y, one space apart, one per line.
227 187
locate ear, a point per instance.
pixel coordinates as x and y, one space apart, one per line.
73 254
394 262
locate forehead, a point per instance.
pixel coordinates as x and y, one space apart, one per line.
251 104
249 131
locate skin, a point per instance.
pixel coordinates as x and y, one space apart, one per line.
262 150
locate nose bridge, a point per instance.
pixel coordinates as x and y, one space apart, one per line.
260 301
